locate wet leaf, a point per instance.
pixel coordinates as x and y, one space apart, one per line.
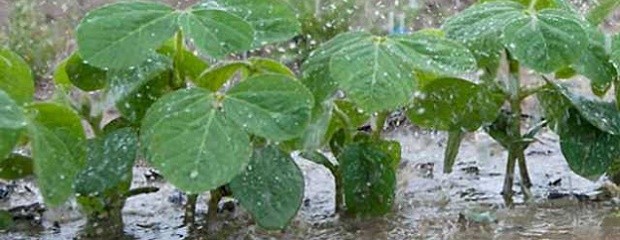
61 78
16 167
124 34
392 148
588 150
84 76
271 188
451 104
58 149
546 41
109 163
276 107
135 90
368 179
266 65
377 73
192 142
16 79
595 63
355 116
315 77
272 20
314 135
603 115
11 115
216 32
478 27
215 77
8 139
117 124
188 63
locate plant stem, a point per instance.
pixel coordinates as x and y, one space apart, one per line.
189 219
526 182
452 150
349 128
508 179
339 191
379 124
216 196
526 92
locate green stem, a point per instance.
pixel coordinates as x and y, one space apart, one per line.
379 124
339 191
216 196
526 92
349 128
532 6
454 142
526 182
190 210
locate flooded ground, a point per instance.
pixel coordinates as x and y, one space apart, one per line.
466 204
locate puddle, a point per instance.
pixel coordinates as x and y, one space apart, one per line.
429 204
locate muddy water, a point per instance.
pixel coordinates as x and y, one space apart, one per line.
429 203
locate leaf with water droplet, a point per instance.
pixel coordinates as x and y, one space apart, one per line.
451 104
216 32
273 190
588 150
134 91
84 76
595 63
546 41
368 179
272 20
16 79
276 107
109 164
185 131
12 123
58 149
124 34
603 115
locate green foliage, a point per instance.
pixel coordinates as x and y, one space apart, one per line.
436 104
15 167
369 180
217 28
15 77
271 188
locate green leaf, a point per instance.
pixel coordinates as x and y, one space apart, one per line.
110 162
12 121
84 76
275 107
124 34
451 104
215 77
478 27
597 14
135 90
547 40
271 188
188 62
15 77
392 148
61 78
216 32
16 167
377 73
11 115
368 179
266 65
272 20
603 115
58 149
314 135
190 140
615 51
314 74
588 150
595 63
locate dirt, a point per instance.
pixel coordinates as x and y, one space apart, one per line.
429 205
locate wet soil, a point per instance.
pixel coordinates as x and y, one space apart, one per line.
429 205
